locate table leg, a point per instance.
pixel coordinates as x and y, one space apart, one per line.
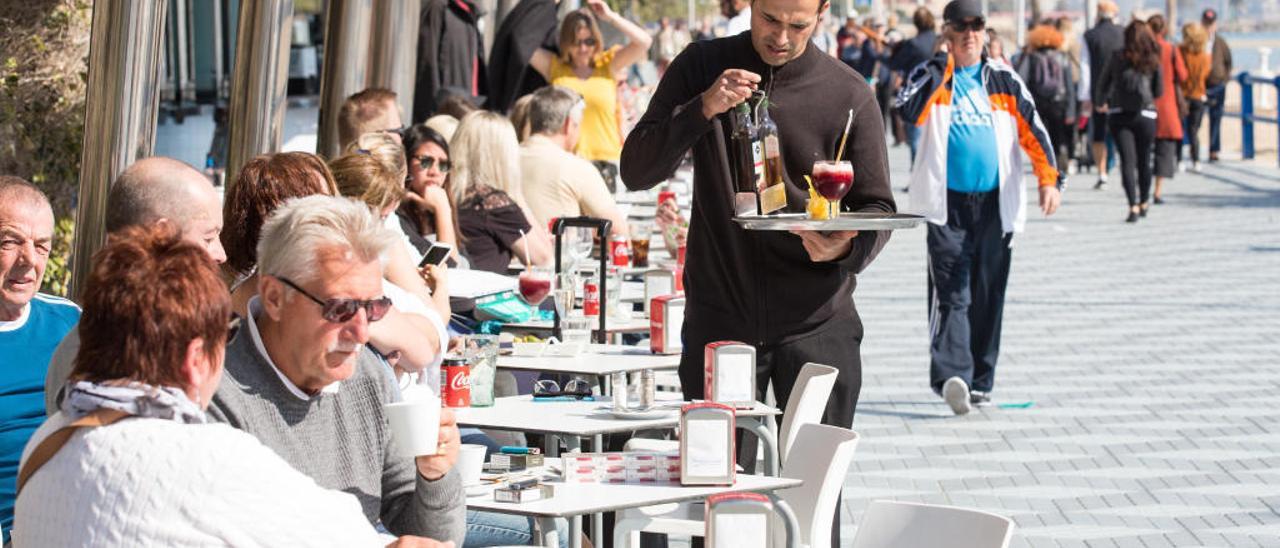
549 536
551 445
597 519
575 532
766 437
789 521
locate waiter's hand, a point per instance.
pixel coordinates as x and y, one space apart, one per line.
732 87
1050 197
824 247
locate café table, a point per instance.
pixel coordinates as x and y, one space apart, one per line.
599 360
613 326
574 500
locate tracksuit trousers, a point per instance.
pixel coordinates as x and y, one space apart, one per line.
968 271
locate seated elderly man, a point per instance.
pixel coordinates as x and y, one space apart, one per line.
556 182
303 380
153 190
153 334
31 324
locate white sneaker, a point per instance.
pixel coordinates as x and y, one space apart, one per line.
1195 167
956 392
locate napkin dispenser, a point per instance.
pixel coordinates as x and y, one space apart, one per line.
730 374
666 319
738 520
658 282
707 446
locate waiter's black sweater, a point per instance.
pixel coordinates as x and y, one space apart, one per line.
761 287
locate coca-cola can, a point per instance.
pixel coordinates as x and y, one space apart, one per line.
455 383
618 250
590 298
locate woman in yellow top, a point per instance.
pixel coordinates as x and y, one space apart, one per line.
584 66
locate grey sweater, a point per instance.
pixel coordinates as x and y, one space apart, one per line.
341 440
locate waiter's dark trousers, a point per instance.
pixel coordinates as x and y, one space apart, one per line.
968 272
837 344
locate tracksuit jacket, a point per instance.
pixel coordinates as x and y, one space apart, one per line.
925 100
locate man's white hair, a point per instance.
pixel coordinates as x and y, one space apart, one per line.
301 228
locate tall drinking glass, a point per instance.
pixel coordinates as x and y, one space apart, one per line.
832 180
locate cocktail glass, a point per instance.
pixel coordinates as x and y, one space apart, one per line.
535 284
832 180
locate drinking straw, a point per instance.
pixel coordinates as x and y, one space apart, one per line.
844 136
527 256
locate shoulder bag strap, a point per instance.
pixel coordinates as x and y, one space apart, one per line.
49 446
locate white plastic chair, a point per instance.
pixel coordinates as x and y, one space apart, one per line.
821 462
888 524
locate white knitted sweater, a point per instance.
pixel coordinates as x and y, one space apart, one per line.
152 482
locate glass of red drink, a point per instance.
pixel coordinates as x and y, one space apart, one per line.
832 180
535 284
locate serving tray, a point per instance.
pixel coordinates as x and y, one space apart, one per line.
846 221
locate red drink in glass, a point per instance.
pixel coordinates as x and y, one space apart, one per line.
832 180
535 285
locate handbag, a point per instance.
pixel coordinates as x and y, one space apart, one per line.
50 445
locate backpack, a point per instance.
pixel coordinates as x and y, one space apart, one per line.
1045 78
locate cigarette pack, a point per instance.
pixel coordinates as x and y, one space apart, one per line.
616 473
537 492
515 462
730 374
642 475
666 318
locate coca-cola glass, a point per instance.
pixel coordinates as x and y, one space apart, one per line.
535 284
832 180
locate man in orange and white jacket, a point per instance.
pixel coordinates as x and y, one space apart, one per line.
974 114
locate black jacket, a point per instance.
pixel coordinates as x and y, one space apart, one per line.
528 26
761 287
1125 88
912 52
450 52
1102 41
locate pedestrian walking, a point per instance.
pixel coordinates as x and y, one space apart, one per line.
1216 82
1046 71
1128 89
967 181
1194 39
1101 43
910 54
1169 107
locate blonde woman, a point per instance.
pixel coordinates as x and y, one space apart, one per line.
494 223
1194 39
584 66
373 171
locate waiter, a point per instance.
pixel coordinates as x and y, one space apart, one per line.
788 294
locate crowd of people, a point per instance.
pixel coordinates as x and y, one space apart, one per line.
245 346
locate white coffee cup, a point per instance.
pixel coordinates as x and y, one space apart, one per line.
470 463
415 425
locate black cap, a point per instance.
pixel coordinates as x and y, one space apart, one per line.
1209 16
960 10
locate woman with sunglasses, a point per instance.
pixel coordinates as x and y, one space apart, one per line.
584 66
426 210
131 459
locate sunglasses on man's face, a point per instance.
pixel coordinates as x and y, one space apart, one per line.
589 42
342 310
427 161
972 25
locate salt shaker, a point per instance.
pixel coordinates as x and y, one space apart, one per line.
618 381
648 387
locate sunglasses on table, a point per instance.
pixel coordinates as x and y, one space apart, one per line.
972 25
342 310
549 388
427 161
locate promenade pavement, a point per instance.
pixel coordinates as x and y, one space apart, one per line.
1139 373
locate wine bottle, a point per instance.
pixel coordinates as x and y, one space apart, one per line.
772 191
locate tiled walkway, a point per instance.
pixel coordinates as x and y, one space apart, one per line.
1149 355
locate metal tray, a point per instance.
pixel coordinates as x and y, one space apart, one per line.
847 221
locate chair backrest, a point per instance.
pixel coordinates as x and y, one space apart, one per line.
913 525
821 460
808 401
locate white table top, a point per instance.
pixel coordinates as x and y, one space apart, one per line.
573 499
598 359
575 418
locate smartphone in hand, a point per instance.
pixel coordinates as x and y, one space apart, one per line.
437 254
